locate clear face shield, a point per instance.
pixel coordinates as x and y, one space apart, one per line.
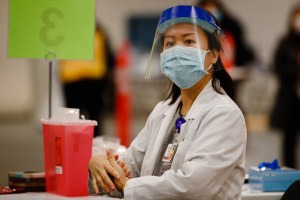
183 42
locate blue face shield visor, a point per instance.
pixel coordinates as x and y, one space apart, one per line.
191 18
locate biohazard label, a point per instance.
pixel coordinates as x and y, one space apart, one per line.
58 156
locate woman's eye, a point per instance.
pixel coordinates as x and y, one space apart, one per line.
169 44
189 41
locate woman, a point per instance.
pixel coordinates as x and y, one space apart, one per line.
286 110
193 144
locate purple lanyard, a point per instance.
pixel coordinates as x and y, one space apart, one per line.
178 123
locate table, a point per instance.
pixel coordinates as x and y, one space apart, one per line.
48 196
262 196
247 194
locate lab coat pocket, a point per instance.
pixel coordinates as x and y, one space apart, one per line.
181 152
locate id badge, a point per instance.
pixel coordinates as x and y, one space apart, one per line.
169 153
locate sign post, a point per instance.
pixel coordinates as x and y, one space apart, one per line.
52 30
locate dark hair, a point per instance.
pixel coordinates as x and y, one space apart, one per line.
220 78
295 11
217 3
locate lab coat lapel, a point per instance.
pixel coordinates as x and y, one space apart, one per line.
163 121
203 97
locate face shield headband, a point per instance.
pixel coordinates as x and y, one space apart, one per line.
181 14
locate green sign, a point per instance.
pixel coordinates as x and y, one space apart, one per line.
52 29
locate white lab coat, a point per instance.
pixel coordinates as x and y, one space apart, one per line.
210 159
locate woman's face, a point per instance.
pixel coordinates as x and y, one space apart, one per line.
185 35
189 35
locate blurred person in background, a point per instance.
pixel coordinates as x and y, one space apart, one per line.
236 53
89 85
193 143
286 111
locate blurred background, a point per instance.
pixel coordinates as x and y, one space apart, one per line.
127 29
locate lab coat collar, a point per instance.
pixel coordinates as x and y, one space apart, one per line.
202 97
171 111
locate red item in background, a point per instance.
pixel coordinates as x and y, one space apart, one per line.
67 150
123 95
228 54
9 190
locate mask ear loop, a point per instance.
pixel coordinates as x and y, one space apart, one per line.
206 71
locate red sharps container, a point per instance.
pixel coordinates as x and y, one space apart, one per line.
67 151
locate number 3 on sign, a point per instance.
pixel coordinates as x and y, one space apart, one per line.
48 25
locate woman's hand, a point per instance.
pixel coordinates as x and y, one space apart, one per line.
100 169
125 168
122 164
122 169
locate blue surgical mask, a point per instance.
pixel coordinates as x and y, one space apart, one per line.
183 65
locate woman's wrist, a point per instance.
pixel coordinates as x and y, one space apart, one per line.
124 184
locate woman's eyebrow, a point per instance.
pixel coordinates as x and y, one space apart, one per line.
184 35
169 36
188 34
